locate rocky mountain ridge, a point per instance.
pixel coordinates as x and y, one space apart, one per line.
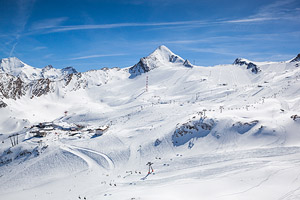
18 79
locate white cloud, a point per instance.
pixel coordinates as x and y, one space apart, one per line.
13 49
48 23
278 10
95 56
119 25
257 19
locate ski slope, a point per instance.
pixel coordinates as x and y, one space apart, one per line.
219 132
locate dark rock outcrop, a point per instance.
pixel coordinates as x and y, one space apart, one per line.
296 59
187 64
250 65
2 104
40 87
192 129
139 68
69 70
11 87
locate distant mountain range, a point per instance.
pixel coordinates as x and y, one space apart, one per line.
19 79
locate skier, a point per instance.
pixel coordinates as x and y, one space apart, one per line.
150 167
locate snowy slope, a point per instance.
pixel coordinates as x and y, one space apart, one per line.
220 132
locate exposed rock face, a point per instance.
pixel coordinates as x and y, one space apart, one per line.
18 79
192 129
139 68
40 87
243 127
11 86
174 59
296 59
2 104
69 70
250 65
187 64
68 79
76 81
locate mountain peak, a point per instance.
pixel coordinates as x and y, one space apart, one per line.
296 59
11 59
163 54
10 62
163 48
48 67
12 65
69 70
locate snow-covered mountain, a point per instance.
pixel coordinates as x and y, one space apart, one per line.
161 57
19 79
222 132
14 66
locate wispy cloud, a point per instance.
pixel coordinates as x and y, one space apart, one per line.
208 39
96 56
120 25
52 26
48 23
23 12
13 48
278 10
275 8
257 19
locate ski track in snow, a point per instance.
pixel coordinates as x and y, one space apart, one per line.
90 161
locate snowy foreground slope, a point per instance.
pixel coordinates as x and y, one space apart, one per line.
221 132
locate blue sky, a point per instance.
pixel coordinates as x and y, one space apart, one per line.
92 34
